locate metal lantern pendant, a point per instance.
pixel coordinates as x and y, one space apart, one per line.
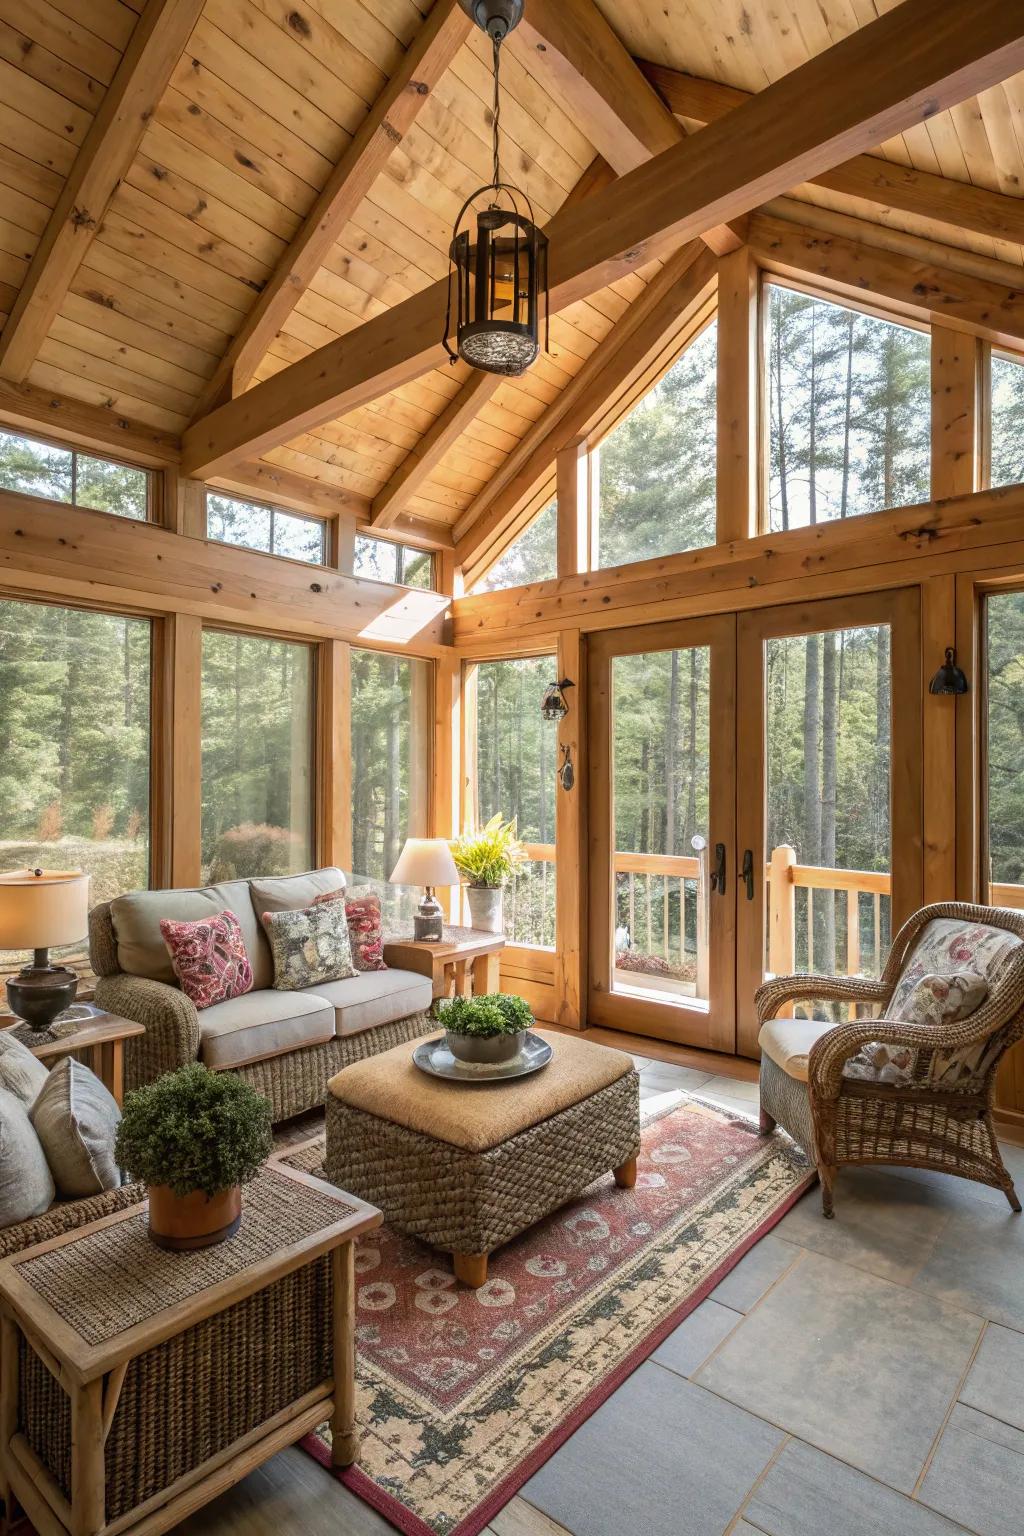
499 270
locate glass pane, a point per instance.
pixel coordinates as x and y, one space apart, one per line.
111 487
827 749
417 568
377 559
657 469
515 778
298 538
660 783
74 746
257 712
238 522
36 469
849 407
1005 748
391 736
1007 418
533 556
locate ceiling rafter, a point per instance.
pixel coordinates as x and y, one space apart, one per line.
898 70
160 37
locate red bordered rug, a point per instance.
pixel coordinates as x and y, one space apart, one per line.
463 1394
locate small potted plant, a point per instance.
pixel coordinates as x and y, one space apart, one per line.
194 1137
491 1028
487 860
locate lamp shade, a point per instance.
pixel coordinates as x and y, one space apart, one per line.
41 910
425 861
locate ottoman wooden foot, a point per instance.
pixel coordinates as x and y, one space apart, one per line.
470 1268
625 1176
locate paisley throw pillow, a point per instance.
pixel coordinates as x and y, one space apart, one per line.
209 958
365 925
310 946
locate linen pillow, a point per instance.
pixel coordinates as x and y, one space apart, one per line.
26 1184
309 946
934 1000
21 1073
209 958
76 1118
365 925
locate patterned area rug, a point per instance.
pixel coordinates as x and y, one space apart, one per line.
462 1395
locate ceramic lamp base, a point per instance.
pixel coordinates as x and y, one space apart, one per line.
40 992
428 923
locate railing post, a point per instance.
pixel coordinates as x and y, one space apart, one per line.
782 911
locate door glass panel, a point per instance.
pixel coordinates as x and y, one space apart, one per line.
661 787
1005 748
827 755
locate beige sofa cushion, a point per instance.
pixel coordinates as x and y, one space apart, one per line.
391 1087
374 997
26 1183
21 1073
290 893
788 1043
262 1024
76 1119
141 950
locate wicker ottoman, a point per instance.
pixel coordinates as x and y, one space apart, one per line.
467 1167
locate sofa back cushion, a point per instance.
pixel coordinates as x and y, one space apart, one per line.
141 950
292 893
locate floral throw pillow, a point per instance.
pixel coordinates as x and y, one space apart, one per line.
209 958
365 925
310 946
934 1000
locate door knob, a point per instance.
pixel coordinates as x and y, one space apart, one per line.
747 872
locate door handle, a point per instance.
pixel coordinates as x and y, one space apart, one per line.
747 872
718 873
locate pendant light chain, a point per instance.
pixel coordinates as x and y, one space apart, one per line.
496 113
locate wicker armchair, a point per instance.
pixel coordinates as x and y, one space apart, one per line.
939 1115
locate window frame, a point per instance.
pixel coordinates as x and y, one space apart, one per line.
405 549
275 510
153 478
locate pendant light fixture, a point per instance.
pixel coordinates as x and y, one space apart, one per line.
499 270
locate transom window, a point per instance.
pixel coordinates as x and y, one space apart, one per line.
531 557
272 531
34 467
399 564
1007 420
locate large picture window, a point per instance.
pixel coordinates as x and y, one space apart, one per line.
849 411
515 778
531 557
254 525
257 755
74 745
37 468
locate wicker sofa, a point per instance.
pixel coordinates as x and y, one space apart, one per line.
286 1044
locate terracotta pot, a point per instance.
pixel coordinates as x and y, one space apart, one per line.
486 908
485 1048
195 1220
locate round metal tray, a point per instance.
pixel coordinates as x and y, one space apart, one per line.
433 1056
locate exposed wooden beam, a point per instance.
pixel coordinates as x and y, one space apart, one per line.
682 285
388 121
914 61
866 176
157 43
419 464
620 113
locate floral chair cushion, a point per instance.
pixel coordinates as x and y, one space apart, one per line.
934 1000
948 946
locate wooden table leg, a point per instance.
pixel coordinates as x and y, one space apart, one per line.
110 1067
88 1480
487 974
470 1268
8 1409
344 1434
625 1175
463 983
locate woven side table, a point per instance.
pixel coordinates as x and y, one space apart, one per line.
136 1384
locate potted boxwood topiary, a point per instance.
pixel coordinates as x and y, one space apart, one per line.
194 1137
487 859
490 1028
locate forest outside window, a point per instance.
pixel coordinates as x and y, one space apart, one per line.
849 411
515 779
34 467
392 713
255 525
1004 748
1006 419
533 556
257 756
655 481
74 746
398 564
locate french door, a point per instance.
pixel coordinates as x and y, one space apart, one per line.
755 808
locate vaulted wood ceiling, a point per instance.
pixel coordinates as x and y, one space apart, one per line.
259 107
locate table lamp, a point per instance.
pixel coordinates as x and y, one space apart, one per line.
426 861
38 911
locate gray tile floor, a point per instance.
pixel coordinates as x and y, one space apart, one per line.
859 1377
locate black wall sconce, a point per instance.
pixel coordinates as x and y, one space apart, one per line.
553 705
949 678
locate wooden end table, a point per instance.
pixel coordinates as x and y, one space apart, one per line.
241 1349
464 962
98 1035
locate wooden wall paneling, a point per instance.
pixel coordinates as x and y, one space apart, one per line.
571 877
176 787
839 103
188 510
333 754
939 754
956 417
85 426
738 438
573 486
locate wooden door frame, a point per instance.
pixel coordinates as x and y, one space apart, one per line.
901 610
635 1014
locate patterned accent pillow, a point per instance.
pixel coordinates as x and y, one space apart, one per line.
933 1000
209 958
365 925
309 946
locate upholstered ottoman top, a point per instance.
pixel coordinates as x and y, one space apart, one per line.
478 1116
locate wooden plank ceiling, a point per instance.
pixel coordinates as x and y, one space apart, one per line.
257 111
